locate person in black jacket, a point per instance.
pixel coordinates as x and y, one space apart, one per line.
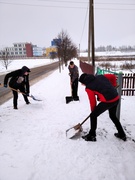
100 88
19 79
74 74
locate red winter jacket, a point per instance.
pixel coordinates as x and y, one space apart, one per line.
101 88
112 78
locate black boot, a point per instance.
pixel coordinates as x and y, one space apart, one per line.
123 137
89 137
28 102
76 98
15 107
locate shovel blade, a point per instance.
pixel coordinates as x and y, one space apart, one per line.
73 131
35 98
68 99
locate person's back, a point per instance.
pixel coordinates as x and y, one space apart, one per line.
101 86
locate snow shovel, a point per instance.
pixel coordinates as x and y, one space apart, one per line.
75 130
31 96
69 98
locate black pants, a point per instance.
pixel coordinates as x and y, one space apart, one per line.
75 88
15 94
99 109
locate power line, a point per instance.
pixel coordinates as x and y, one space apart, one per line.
121 4
125 4
63 1
84 25
37 5
73 7
114 9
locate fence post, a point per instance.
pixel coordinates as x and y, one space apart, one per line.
120 76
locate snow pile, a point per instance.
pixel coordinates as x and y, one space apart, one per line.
33 138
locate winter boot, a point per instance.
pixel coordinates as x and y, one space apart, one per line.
76 98
123 137
89 137
15 107
28 102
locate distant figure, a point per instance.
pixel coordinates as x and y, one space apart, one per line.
100 88
19 80
74 74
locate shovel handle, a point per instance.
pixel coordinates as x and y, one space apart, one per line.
84 120
13 89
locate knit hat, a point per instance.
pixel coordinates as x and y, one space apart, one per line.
82 78
86 78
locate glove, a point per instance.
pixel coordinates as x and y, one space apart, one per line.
5 85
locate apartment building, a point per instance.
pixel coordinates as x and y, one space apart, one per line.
19 50
37 51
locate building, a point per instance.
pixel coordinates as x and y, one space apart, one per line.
55 42
50 50
37 51
19 50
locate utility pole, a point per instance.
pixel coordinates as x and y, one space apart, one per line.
91 34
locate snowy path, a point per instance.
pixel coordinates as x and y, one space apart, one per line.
34 144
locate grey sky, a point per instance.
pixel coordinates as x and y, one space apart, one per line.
39 21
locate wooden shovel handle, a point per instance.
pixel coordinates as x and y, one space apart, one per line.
84 120
78 126
13 89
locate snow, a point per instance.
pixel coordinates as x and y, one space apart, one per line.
33 138
109 53
17 64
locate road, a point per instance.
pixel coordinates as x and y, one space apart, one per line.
36 74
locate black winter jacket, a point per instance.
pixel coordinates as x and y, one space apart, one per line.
99 86
14 78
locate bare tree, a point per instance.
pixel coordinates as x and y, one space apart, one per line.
5 60
65 48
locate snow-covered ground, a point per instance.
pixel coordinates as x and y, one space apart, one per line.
109 53
17 64
33 142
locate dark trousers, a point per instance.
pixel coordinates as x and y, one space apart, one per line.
15 94
75 88
99 109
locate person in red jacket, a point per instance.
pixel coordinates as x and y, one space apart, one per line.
99 87
112 78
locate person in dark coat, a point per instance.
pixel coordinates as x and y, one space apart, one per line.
99 87
19 80
74 74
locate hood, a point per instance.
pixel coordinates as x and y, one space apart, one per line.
25 69
86 78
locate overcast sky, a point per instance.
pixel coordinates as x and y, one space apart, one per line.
40 21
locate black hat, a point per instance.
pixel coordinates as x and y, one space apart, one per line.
82 78
86 78
71 63
25 69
